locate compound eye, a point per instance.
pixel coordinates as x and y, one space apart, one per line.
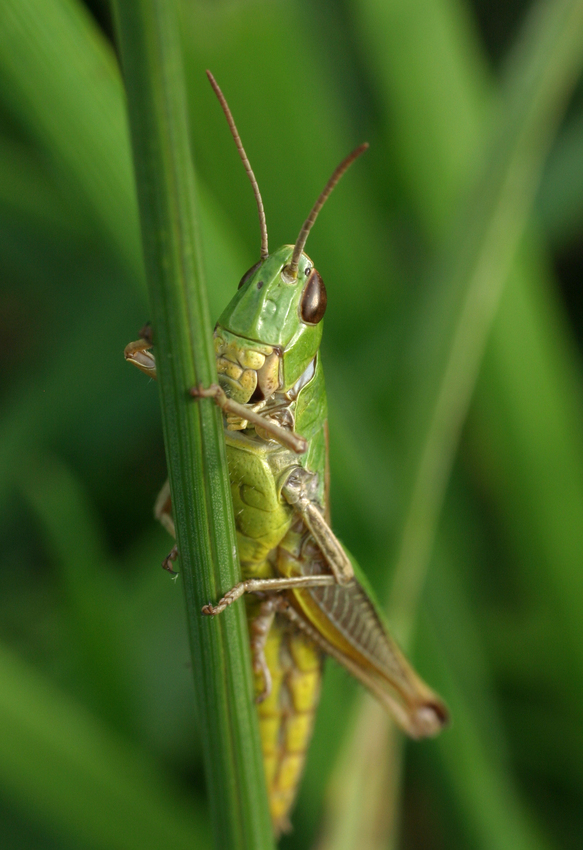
249 274
314 300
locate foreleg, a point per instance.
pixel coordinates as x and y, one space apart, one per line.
284 437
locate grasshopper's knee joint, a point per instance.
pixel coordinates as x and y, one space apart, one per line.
344 579
301 486
430 719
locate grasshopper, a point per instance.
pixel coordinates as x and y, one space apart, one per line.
306 596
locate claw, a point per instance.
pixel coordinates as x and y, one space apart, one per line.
169 560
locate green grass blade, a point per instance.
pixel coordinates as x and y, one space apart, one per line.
475 752
195 448
528 417
62 767
428 67
52 45
362 799
560 202
93 601
456 327
467 293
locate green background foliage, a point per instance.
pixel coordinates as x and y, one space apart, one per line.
452 355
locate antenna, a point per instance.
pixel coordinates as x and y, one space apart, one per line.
246 163
292 268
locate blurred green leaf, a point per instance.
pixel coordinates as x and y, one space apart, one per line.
47 46
65 767
560 199
90 590
195 449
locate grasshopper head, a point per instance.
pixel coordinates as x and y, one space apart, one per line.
268 336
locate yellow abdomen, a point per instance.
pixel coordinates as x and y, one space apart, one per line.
286 716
